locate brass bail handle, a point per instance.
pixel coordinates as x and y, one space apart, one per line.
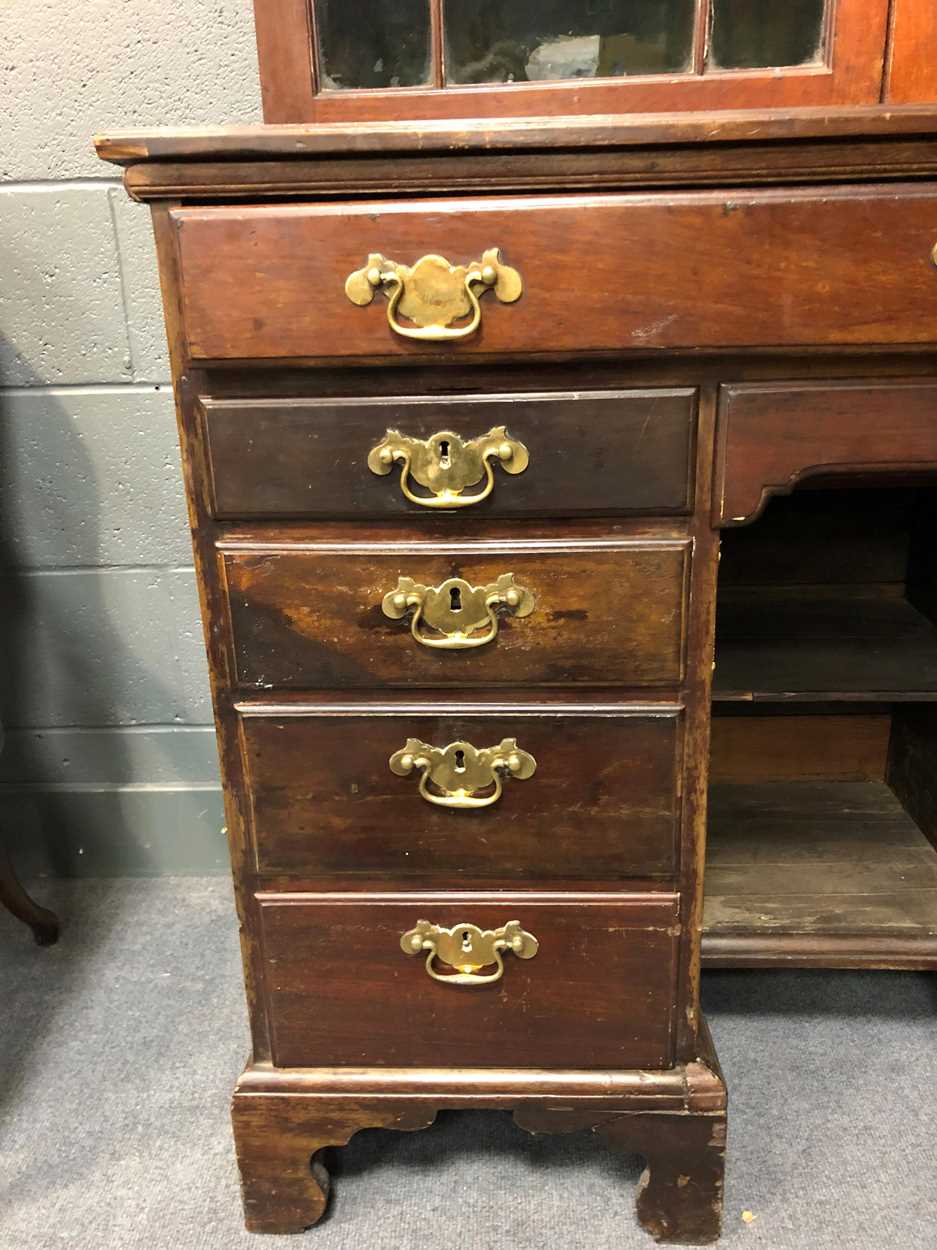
460 616
434 293
446 465
460 775
467 948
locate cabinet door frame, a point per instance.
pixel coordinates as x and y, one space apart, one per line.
852 74
911 77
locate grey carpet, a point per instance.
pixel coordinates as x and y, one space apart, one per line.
120 1046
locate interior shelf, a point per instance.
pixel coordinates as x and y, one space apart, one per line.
823 645
826 874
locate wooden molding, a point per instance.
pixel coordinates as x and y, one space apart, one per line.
769 438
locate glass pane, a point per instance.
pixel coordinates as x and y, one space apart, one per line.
537 40
747 34
373 43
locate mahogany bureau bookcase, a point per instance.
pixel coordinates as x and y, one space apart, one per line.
468 408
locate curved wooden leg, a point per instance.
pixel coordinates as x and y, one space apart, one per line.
44 924
279 1139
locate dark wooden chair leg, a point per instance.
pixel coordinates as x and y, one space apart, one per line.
680 1194
280 1139
44 924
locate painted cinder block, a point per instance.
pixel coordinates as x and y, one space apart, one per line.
143 308
102 647
91 478
73 70
116 831
61 302
161 755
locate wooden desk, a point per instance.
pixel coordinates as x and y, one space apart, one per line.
460 601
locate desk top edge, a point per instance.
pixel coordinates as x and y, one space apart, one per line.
284 142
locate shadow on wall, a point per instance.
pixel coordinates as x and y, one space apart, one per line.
67 659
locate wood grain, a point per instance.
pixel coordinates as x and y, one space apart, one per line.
604 802
598 453
911 75
279 1139
747 163
600 272
607 611
818 875
771 437
467 135
341 992
755 749
286 56
674 1117
681 1194
769 287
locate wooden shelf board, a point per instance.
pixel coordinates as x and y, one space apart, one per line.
822 647
817 874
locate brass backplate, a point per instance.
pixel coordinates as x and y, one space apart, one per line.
456 614
460 775
446 464
468 949
433 293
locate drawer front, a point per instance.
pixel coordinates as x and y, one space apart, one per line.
774 268
591 612
603 803
599 454
771 436
598 992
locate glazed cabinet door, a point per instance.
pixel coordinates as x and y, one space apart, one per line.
395 59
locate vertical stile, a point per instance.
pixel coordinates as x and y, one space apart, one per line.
701 29
437 43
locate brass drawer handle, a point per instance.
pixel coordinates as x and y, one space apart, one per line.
468 948
445 465
460 775
462 614
433 293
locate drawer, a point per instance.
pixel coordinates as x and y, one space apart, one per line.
597 607
770 436
711 269
598 993
601 453
603 802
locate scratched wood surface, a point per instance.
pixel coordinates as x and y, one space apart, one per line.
691 270
342 992
818 874
606 611
591 453
672 287
604 802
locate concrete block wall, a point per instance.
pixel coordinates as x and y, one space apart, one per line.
109 762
